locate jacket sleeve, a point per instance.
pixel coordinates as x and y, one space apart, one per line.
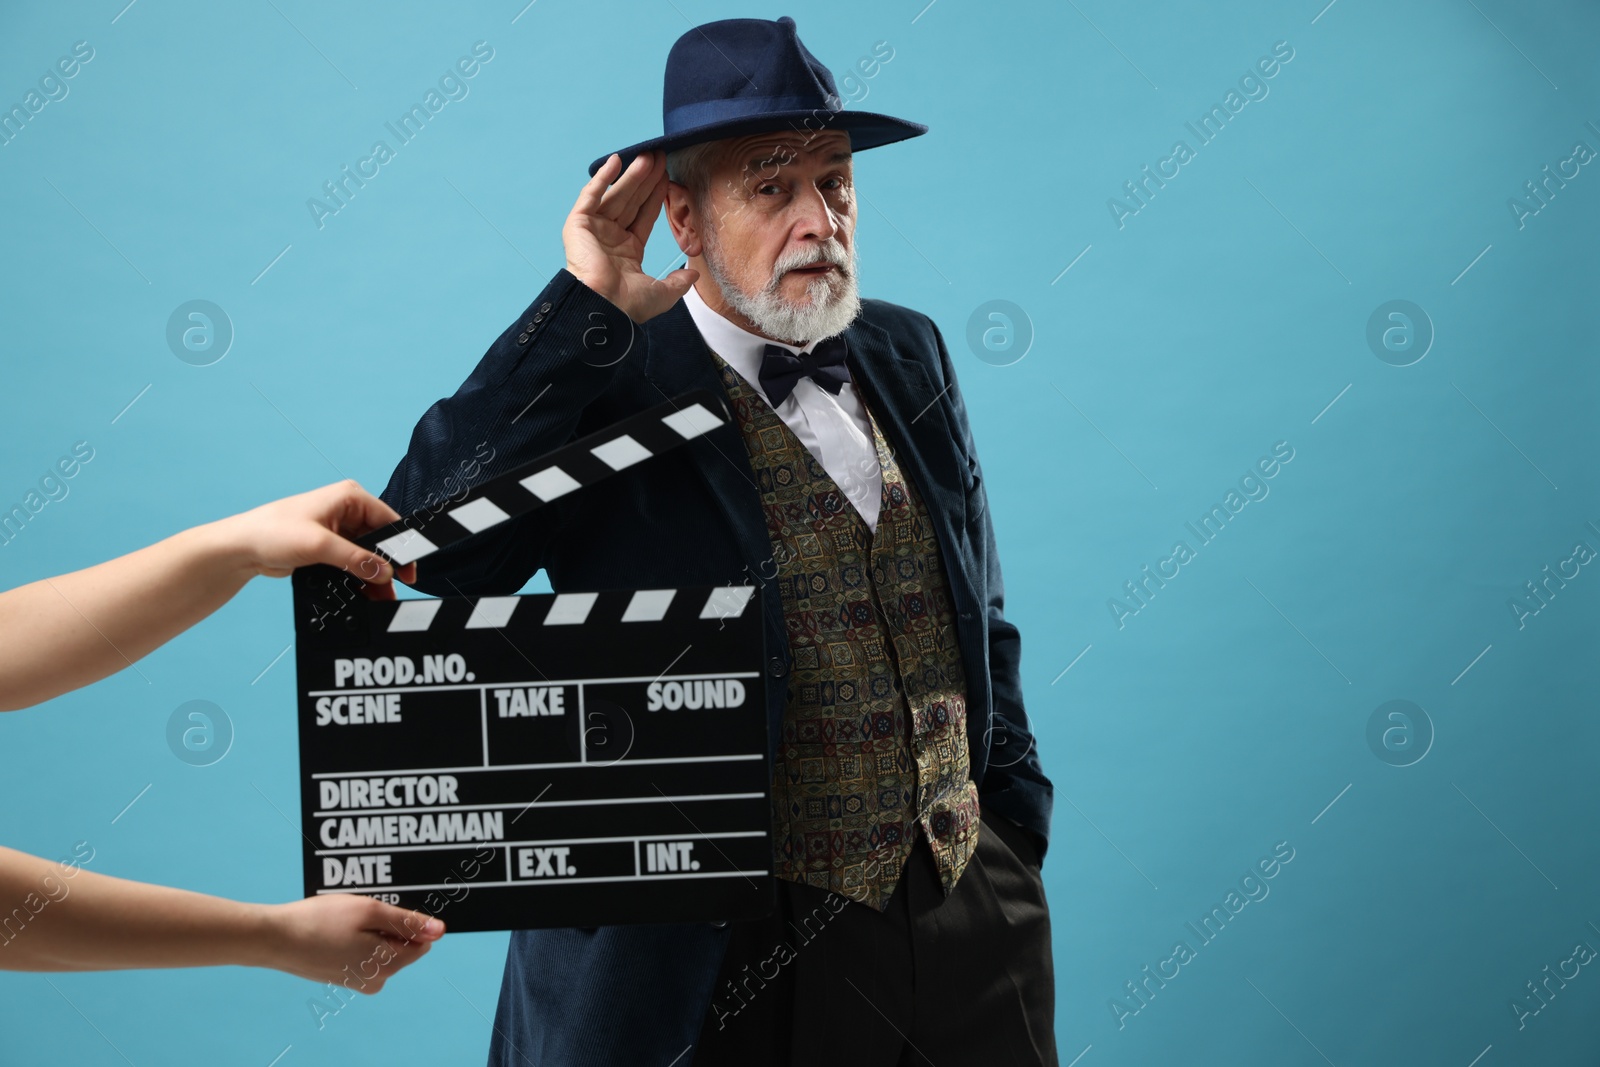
526 397
1014 783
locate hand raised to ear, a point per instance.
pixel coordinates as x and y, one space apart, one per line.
605 235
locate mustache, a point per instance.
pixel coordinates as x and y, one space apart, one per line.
831 253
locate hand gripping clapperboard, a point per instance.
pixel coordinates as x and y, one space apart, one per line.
509 762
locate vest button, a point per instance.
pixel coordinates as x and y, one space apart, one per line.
775 666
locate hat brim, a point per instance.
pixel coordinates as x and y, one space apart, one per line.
867 130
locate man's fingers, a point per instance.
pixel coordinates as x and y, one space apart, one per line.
620 202
659 295
679 282
644 190
649 212
589 197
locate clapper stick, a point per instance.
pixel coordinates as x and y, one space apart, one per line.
328 592
567 469
557 759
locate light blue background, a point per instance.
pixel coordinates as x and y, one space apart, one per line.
1228 314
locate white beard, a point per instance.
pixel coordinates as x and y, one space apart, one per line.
834 300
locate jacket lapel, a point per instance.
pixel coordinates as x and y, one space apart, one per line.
676 361
902 398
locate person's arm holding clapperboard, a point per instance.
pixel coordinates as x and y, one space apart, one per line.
529 393
63 633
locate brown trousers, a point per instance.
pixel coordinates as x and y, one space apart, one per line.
931 981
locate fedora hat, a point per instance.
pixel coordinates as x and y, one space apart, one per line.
743 76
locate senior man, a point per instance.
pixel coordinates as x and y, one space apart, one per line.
910 810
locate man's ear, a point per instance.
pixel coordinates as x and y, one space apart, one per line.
683 218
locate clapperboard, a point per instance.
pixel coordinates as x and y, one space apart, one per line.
509 762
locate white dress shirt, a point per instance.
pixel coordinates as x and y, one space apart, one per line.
834 429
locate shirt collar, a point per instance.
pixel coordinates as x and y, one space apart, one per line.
738 347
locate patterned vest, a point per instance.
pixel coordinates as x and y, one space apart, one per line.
874 738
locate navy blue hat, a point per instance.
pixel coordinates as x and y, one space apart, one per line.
743 76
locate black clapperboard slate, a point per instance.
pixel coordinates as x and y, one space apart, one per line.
572 759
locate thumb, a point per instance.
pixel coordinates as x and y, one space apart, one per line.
681 280
338 551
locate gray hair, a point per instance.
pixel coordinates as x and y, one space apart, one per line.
690 166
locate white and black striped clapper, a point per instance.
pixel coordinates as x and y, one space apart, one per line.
572 467
579 758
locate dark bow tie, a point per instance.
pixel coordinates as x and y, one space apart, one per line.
781 369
